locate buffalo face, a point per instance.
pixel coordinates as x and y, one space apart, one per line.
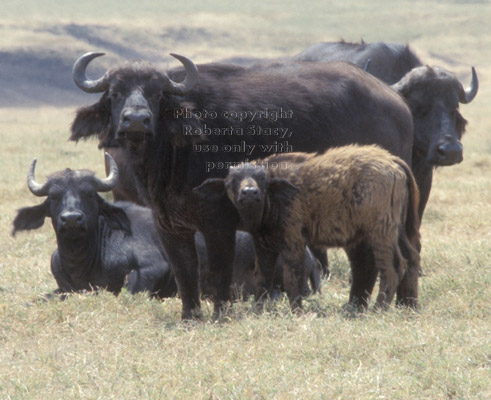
136 97
253 193
246 187
72 203
433 95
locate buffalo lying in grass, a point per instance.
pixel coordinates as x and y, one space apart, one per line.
100 245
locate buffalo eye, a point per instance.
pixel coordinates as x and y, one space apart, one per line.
157 97
55 194
88 195
114 95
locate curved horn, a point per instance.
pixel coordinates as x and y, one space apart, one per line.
190 80
107 184
471 91
81 80
35 188
367 64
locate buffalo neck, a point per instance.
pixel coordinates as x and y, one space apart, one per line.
80 256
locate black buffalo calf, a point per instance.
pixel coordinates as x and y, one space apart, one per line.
244 280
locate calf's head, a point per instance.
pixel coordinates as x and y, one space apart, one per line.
136 101
433 95
252 191
72 203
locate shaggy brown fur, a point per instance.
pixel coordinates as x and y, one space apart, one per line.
360 198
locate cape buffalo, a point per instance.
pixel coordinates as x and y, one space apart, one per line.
432 93
243 280
100 245
346 196
180 128
388 61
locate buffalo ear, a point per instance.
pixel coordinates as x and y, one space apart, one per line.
92 120
31 217
210 189
282 191
116 218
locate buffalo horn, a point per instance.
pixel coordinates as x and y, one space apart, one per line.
78 73
107 184
469 93
35 188
190 80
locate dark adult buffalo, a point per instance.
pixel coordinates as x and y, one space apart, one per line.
180 128
100 245
388 61
432 93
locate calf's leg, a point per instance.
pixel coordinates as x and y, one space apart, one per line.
320 253
294 273
384 255
363 273
264 273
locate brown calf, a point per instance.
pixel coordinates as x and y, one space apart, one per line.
360 198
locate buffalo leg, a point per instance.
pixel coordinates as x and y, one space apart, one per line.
154 278
320 253
264 272
220 246
294 279
407 291
423 174
363 274
315 278
294 274
384 255
63 280
184 261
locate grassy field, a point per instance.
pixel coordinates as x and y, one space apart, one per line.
102 346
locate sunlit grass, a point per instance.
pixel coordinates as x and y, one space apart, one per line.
102 346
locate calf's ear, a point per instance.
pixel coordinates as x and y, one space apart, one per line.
31 217
116 218
210 189
91 121
282 190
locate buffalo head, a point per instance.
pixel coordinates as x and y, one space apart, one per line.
252 191
72 203
433 95
136 99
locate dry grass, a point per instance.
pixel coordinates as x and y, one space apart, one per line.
102 346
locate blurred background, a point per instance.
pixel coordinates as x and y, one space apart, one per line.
39 41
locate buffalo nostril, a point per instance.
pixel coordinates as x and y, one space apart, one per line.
448 153
71 218
250 191
136 120
440 150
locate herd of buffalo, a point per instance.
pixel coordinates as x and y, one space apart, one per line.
232 179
